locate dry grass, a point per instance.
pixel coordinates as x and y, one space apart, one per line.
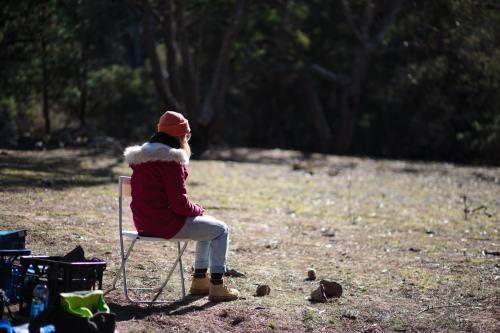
394 234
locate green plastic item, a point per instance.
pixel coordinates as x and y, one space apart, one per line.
84 303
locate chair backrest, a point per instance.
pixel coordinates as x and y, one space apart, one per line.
124 188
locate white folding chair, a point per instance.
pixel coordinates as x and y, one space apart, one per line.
124 190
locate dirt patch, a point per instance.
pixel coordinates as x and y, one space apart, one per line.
409 243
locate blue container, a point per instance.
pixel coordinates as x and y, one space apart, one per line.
5 326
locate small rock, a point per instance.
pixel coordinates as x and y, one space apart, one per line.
311 274
263 290
328 232
351 315
372 329
332 289
318 295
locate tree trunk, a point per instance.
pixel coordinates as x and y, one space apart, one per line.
82 78
191 93
216 92
156 68
350 101
352 92
320 121
45 92
172 68
183 94
45 77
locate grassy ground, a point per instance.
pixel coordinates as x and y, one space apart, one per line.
414 245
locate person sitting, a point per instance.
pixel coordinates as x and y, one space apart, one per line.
161 207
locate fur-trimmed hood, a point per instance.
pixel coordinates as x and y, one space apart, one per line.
151 152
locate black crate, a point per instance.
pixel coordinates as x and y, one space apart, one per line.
59 276
11 282
12 239
13 285
10 272
12 235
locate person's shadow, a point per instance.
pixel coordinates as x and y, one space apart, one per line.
129 311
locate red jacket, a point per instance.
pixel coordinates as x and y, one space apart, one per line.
160 203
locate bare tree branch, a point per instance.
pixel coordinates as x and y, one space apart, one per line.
362 33
367 19
388 23
348 16
328 75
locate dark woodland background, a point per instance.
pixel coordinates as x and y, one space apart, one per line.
382 78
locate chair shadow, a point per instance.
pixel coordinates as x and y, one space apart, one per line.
127 311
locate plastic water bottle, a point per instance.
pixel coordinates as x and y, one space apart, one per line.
40 300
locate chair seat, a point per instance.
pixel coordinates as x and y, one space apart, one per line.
132 234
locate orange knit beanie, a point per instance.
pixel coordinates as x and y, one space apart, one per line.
173 124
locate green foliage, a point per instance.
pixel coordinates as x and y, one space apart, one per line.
440 102
117 94
273 326
430 90
74 42
303 40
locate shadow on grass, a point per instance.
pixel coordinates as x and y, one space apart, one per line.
254 155
57 169
125 312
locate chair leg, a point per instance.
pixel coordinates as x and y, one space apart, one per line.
159 290
119 271
181 269
123 269
178 260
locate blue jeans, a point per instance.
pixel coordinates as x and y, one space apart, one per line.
211 236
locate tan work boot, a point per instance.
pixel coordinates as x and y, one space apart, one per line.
220 293
200 286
